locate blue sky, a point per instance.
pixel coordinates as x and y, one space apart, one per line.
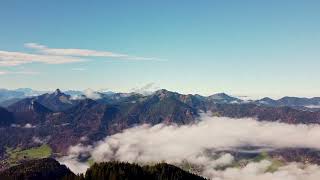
239 47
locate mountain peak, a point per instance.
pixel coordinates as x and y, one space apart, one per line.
165 93
28 105
266 99
220 96
162 91
57 92
224 98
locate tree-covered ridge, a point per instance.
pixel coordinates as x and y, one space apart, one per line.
47 168
127 171
50 169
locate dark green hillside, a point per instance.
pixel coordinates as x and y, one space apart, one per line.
126 171
50 169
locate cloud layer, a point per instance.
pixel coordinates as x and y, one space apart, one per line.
190 143
210 133
258 171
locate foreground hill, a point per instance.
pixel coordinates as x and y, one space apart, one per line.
6 117
119 171
50 169
29 111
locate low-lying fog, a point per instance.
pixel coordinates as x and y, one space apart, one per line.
174 144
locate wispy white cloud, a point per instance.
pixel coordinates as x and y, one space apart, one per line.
25 72
89 93
39 140
78 69
47 55
146 89
19 72
313 106
84 53
28 126
8 58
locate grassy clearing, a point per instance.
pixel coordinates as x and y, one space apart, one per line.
275 163
90 162
16 155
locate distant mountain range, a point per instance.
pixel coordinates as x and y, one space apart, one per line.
311 103
61 120
9 97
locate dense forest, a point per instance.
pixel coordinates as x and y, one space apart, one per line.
50 169
47 168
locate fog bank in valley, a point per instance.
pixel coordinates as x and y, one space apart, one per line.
197 144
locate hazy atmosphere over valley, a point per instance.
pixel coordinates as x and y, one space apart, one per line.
164 90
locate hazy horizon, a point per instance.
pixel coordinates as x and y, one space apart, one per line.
141 90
